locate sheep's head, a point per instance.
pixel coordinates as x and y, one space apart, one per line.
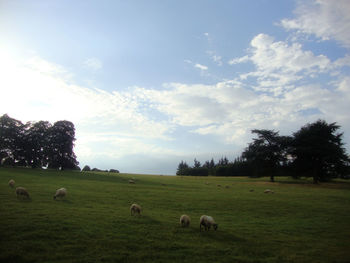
215 226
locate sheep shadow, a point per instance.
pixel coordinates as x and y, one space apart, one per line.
220 236
25 200
64 201
144 220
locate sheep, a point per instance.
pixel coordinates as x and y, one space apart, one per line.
131 181
268 191
207 222
12 183
135 208
61 193
21 191
185 221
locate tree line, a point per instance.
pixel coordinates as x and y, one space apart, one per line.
37 144
316 150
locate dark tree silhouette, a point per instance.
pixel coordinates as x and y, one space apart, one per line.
37 144
11 138
182 168
61 143
267 152
318 151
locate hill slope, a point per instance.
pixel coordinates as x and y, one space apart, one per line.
300 222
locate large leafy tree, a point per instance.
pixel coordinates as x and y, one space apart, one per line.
267 152
61 143
319 152
38 143
11 138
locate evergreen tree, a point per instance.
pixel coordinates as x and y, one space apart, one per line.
318 151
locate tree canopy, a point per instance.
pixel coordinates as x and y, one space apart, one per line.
37 144
316 150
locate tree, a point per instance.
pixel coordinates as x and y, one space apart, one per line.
318 151
267 152
197 164
37 143
182 168
11 138
61 143
86 168
223 161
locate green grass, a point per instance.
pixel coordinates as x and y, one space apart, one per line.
300 222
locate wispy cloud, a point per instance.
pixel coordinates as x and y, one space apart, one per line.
200 66
279 64
238 60
45 91
324 19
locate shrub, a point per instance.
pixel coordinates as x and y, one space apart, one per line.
86 168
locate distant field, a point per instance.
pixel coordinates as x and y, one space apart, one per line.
300 222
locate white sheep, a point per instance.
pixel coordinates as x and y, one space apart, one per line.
61 193
268 191
207 222
131 181
12 183
21 191
135 208
185 221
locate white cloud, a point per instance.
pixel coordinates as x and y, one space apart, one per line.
323 18
238 60
201 67
215 58
270 56
93 64
36 89
280 64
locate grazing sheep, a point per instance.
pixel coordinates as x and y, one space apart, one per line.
21 191
268 191
185 221
135 208
207 222
12 183
131 181
62 192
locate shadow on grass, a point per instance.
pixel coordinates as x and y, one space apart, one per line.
220 236
339 184
144 220
64 201
25 200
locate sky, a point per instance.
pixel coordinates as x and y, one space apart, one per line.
148 84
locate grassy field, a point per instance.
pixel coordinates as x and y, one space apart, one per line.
300 222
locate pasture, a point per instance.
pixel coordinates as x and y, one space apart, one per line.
299 222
